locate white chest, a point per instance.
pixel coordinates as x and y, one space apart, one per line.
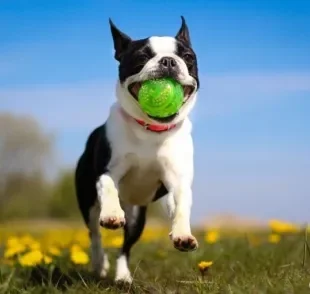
139 184
141 158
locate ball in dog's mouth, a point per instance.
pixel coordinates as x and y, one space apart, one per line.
135 87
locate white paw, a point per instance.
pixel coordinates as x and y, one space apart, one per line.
111 216
113 220
100 265
127 279
122 271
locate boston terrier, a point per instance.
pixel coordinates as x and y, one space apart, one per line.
134 159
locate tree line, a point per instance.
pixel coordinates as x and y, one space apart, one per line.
27 151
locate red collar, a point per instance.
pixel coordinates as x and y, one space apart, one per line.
151 127
155 128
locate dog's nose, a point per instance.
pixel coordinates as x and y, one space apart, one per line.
168 62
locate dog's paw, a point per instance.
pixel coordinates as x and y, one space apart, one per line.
100 265
185 243
122 275
112 222
111 216
123 281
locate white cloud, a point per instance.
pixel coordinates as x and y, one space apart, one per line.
70 106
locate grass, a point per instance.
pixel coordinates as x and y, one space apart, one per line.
243 264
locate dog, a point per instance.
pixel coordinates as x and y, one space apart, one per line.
134 159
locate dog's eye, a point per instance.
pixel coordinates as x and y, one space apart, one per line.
188 58
142 58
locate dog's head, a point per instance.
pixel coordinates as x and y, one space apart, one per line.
151 58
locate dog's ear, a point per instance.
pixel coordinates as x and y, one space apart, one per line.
121 41
183 34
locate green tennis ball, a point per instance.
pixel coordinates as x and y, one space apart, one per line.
161 97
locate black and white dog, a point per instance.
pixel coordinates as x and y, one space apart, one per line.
134 159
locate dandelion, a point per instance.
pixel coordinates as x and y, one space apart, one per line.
212 236
274 238
153 233
82 239
53 250
278 226
31 258
14 250
204 266
27 240
47 259
12 241
116 242
76 248
35 245
79 257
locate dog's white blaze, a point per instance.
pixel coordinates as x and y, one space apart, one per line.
163 45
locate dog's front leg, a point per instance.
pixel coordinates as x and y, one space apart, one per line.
179 202
112 215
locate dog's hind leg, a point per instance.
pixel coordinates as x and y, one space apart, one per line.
99 259
89 206
135 221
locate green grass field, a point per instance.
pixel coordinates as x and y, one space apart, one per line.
241 264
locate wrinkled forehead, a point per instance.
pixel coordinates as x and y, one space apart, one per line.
163 45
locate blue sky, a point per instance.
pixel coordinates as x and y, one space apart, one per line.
251 123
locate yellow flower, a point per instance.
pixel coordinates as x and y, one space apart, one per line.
35 245
14 250
53 250
12 241
204 265
153 233
82 238
31 258
117 242
27 240
274 238
79 257
278 226
47 259
75 248
212 236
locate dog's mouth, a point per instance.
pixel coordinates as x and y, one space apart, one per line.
134 89
188 90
